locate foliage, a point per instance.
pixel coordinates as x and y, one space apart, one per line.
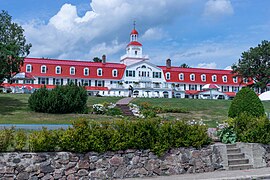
13 47
227 135
252 129
62 99
246 101
114 111
6 138
254 65
44 140
99 109
20 140
184 65
97 59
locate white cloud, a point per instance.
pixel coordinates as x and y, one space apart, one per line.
67 35
217 8
154 34
211 65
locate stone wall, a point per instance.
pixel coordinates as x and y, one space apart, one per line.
109 165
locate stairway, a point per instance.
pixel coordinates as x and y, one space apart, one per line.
125 109
236 159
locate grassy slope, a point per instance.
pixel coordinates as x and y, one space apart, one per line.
14 110
210 111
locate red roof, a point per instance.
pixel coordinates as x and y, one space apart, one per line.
230 94
134 43
134 32
198 72
191 92
65 65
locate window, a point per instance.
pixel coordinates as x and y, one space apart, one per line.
235 79
99 72
43 69
85 82
28 68
168 76
181 76
72 70
192 87
224 78
114 73
86 71
203 77
225 88
130 73
156 74
245 80
99 83
57 70
192 77
214 78
57 81
235 89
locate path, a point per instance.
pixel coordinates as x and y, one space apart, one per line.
261 173
123 105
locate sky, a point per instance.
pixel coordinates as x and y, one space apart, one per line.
200 33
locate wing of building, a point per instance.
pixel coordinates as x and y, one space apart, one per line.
135 75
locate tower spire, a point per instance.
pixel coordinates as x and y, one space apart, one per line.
134 24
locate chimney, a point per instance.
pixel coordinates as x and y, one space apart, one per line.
103 59
168 63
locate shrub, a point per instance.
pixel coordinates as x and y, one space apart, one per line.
227 135
114 111
252 129
62 99
246 101
44 140
20 140
99 109
6 138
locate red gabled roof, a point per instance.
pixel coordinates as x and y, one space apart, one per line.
134 43
51 64
230 94
175 71
191 92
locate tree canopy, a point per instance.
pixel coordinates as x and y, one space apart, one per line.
254 64
184 65
13 47
97 59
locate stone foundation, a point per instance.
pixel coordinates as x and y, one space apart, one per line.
109 165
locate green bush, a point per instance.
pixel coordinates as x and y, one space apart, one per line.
44 140
246 101
227 135
62 99
252 129
6 138
114 111
20 140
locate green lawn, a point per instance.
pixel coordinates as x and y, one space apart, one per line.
14 110
210 111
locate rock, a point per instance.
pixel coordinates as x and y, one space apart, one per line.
83 165
46 177
70 165
116 161
39 158
97 175
151 165
16 160
9 170
135 160
93 159
46 169
82 172
70 171
120 172
23 176
27 156
71 177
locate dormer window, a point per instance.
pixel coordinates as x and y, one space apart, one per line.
224 78
43 69
181 76
168 76
235 79
99 72
245 80
203 77
115 73
86 71
72 70
28 68
192 77
214 78
58 70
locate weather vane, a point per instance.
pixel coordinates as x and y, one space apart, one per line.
134 24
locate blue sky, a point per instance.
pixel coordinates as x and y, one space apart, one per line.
201 33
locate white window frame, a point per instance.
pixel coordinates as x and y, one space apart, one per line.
45 68
235 79
70 70
225 78
181 76
192 77
99 72
245 80
203 77
29 66
214 78
115 73
86 70
56 68
168 76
